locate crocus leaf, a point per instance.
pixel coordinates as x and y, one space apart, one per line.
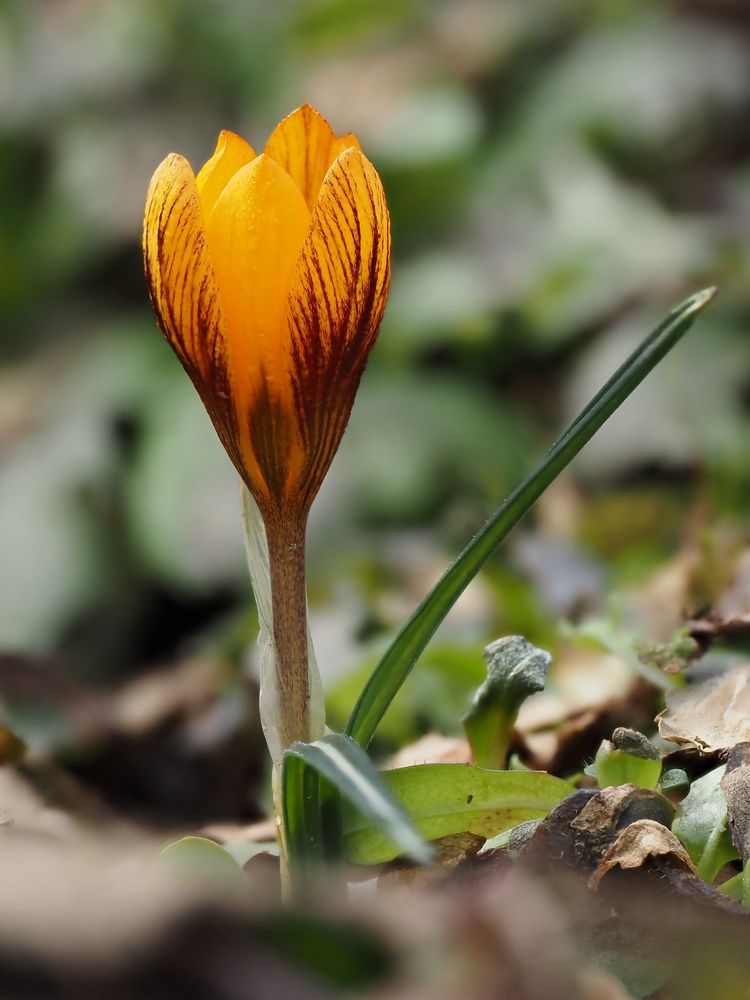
342 763
515 669
446 799
702 824
403 653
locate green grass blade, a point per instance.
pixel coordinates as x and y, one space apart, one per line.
408 645
343 764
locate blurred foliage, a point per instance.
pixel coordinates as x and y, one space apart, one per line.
558 173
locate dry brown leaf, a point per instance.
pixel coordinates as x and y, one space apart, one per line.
734 603
589 693
736 787
730 607
637 843
660 605
452 853
711 715
603 810
176 689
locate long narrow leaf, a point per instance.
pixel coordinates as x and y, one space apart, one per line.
408 645
342 763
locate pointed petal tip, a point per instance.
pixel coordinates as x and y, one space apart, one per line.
226 137
300 119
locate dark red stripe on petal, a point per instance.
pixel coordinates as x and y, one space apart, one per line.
184 295
336 306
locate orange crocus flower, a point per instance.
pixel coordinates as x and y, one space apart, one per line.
269 275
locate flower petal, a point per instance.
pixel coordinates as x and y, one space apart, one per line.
231 153
345 141
255 233
305 145
336 303
183 289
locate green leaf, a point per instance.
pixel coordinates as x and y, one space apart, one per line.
627 759
515 669
408 645
342 763
702 825
674 780
615 767
202 858
733 887
445 799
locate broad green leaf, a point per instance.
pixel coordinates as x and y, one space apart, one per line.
702 825
343 764
408 645
515 669
445 799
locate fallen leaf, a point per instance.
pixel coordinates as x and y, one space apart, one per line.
580 830
637 843
452 852
731 612
589 693
711 715
736 787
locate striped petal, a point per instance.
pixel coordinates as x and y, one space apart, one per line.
336 303
184 292
305 145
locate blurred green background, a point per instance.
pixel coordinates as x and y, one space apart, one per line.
559 174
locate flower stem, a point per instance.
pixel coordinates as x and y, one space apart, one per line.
286 558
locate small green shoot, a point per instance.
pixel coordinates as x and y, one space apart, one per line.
515 669
627 759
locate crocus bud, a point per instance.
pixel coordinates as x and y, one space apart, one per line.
269 275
